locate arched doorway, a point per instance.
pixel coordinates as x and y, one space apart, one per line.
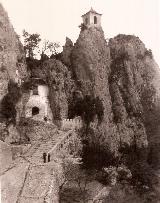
95 20
35 111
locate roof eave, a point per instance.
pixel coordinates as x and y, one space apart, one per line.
91 12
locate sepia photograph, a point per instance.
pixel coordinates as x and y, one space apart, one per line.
79 101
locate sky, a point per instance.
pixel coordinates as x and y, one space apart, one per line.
56 19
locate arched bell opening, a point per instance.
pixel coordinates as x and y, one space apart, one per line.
95 20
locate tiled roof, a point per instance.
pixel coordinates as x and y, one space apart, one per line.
91 11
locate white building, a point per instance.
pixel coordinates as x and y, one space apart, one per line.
92 19
38 106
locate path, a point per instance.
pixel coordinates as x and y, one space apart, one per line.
35 153
29 179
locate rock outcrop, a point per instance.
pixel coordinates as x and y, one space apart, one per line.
12 69
12 57
91 66
67 50
134 91
58 78
124 75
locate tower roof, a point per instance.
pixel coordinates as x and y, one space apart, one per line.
91 11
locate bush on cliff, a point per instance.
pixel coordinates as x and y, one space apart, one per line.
135 158
8 110
87 107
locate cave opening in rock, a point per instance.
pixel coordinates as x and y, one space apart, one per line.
35 111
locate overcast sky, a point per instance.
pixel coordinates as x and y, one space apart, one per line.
56 19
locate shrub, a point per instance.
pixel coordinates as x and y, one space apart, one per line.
9 101
114 174
95 156
83 27
87 107
149 53
136 160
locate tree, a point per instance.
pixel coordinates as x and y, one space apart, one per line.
49 49
53 47
87 107
31 43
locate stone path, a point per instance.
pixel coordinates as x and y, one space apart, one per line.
29 180
36 184
12 182
27 183
35 153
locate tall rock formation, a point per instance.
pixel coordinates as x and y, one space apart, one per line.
12 56
134 88
12 68
58 78
124 75
67 50
91 66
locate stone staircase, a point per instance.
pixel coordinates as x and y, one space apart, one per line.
39 182
32 150
35 153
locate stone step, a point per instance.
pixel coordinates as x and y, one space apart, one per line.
37 156
35 153
32 150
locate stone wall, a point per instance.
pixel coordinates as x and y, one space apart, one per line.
75 123
42 104
41 101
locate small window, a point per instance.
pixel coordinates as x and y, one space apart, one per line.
95 20
35 90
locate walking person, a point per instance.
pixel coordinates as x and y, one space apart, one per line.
44 157
49 157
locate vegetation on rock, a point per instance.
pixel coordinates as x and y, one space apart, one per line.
9 101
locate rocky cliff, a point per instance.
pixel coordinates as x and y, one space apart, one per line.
124 75
12 69
61 85
12 57
134 88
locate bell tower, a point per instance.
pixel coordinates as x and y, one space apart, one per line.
92 19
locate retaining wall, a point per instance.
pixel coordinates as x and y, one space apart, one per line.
71 124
